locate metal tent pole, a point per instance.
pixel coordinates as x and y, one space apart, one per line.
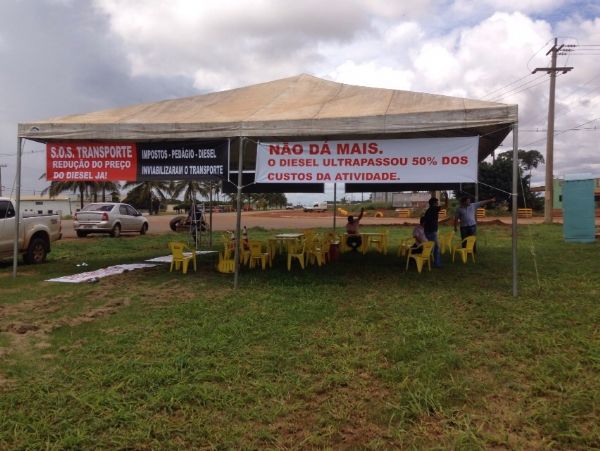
17 207
477 185
238 224
210 213
194 222
334 204
515 199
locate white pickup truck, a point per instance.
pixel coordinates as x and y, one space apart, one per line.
317 206
36 232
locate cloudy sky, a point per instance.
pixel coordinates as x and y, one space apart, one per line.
62 57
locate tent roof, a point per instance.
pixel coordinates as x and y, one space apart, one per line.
297 107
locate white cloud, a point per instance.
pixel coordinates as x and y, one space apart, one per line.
526 6
462 48
372 74
184 36
402 10
403 34
473 9
437 65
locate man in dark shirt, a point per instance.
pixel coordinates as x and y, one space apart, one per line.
431 229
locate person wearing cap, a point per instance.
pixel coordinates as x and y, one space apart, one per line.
354 239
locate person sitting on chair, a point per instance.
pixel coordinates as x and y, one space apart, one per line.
419 236
354 240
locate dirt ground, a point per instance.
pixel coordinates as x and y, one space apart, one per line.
290 219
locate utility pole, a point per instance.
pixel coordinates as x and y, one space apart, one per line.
1 166
549 188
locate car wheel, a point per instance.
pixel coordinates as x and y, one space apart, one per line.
81 234
144 229
37 251
116 231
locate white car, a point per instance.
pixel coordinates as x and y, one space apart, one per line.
36 232
318 206
109 217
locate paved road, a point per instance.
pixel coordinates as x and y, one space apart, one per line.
283 220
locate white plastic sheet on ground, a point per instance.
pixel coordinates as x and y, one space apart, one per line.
168 258
92 276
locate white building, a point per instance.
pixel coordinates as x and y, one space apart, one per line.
405 199
40 205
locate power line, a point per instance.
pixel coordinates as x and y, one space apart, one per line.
581 45
505 86
563 131
586 129
519 79
22 153
517 91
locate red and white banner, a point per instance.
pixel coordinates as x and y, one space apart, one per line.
91 161
422 160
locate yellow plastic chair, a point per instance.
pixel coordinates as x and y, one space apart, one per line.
179 257
446 241
228 237
244 253
296 249
257 255
468 249
344 243
332 237
421 258
405 245
380 243
228 245
317 250
309 234
273 247
226 265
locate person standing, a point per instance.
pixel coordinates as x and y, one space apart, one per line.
155 205
466 216
354 239
430 225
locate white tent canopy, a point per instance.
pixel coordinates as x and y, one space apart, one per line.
296 108
301 106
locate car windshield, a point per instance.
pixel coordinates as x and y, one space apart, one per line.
98 207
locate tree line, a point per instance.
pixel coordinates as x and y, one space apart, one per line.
144 195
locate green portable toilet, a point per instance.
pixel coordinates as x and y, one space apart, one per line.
579 208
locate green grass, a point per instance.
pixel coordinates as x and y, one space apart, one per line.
356 354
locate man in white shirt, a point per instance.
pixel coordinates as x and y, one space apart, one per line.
465 215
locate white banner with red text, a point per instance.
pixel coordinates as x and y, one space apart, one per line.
420 160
